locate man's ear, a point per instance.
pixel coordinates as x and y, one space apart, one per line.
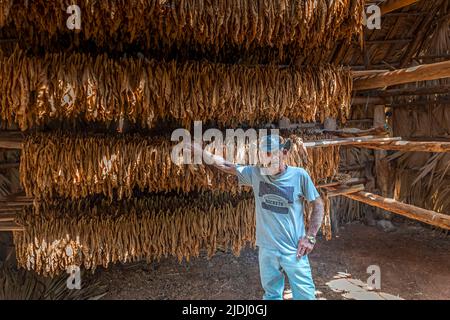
287 144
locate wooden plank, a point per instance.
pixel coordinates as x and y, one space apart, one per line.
416 91
442 101
11 209
421 146
343 191
7 217
424 72
363 73
379 130
348 141
358 167
9 165
389 41
351 181
10 226
11 140
427 216
360 100
393 5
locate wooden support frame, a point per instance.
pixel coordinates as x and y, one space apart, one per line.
17 143
423 72
421 146
423 215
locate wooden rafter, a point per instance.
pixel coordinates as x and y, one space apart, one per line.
422 33
372 100
392 5
423 72
413 91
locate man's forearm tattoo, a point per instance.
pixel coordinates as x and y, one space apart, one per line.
315 221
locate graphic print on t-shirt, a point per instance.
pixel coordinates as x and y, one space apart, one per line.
276 198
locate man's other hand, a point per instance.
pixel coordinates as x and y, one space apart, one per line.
304 247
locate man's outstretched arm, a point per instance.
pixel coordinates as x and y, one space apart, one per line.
216 161
305 246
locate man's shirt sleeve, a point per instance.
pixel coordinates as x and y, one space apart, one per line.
244 174
309 190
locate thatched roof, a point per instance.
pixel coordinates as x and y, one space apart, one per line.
403 35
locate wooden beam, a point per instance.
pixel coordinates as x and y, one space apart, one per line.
424 72
11 140
442 101
375 67
363 73
10 226
10 209
433 57
358 167
414 91
7 217
392 5
404 14
347 190
379 130
420 146
311 144
360 100
351 181
9 165
427 216
389 41
348 141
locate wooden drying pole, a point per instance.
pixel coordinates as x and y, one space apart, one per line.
348 141
423 72
427 216
421 146
15 142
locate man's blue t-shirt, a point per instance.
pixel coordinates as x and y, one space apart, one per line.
279 205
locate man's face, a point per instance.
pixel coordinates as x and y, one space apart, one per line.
271 162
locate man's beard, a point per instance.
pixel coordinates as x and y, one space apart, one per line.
270 168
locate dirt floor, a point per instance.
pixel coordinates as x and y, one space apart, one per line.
414 263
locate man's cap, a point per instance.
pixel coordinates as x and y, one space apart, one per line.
273 142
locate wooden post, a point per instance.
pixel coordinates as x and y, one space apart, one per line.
330 124
383 172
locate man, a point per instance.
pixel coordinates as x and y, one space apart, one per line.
280 233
